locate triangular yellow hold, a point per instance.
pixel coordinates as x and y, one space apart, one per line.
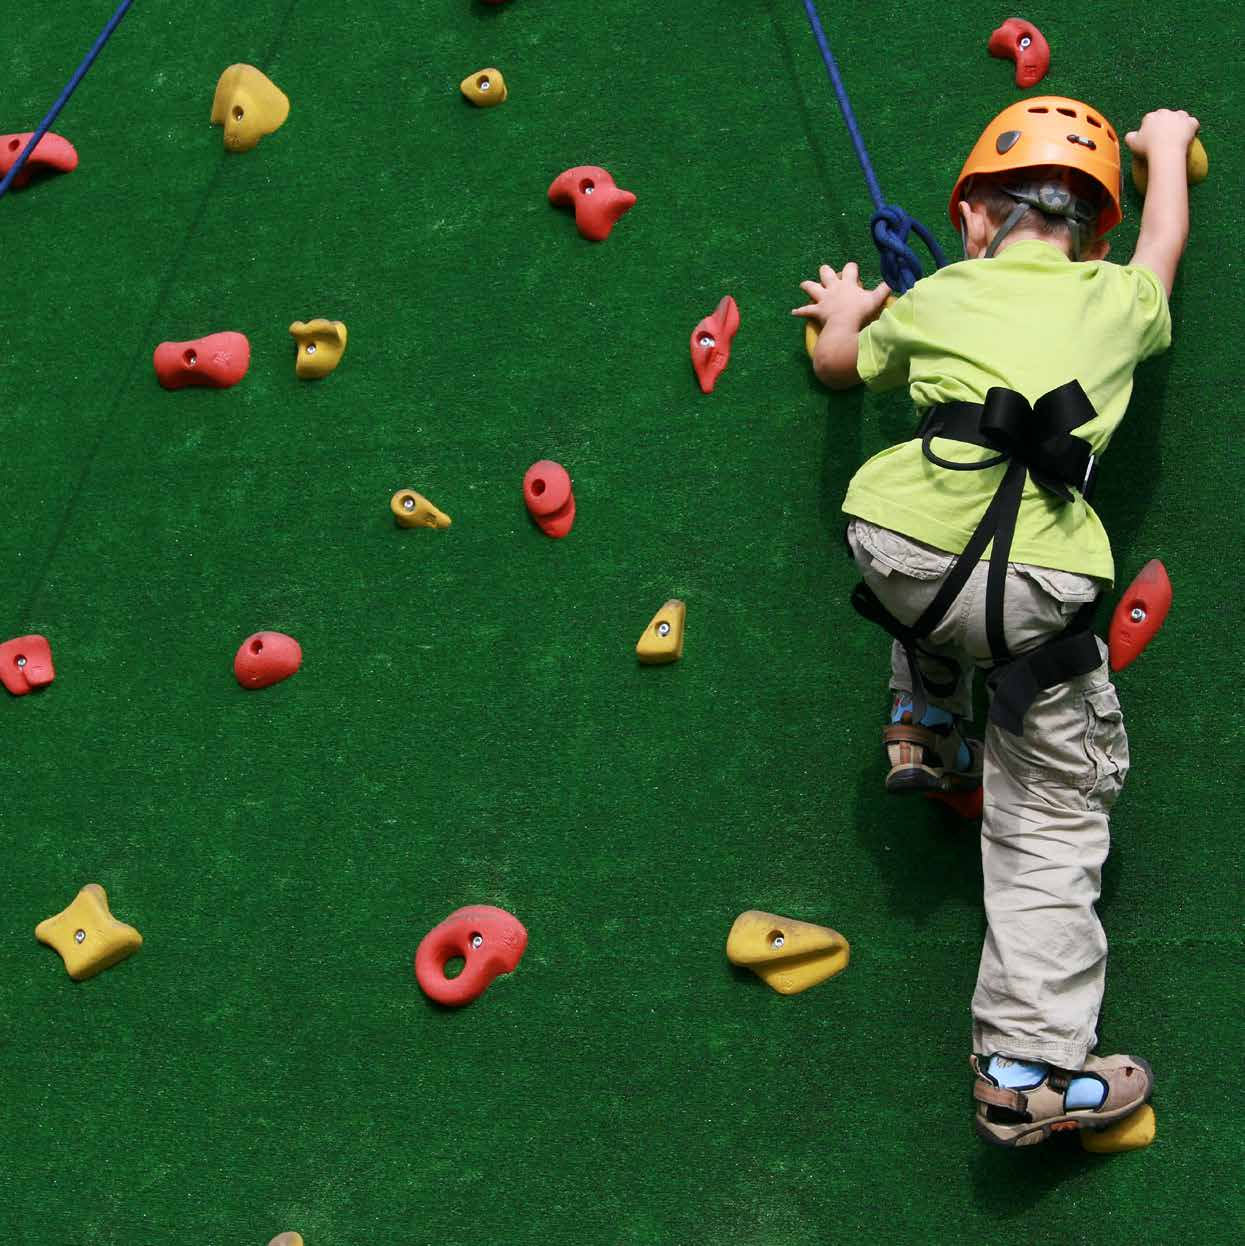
413 510
788 955
1131 1134
320 346
87 935
485 88
663 637
249 105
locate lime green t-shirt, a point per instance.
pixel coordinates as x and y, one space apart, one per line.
1029 319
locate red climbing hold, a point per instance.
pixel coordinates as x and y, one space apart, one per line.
711 343
490 941
26 663
968 805
51 152
597 200
1139 614
266 658
548 497
1025 44
220 360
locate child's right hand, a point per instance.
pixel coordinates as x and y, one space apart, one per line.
1161 129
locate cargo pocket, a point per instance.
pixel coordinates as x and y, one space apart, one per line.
1070 589
892 551
1106 744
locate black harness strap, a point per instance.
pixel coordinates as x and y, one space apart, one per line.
1032 442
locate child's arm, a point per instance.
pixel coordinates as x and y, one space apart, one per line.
841 307
1163 140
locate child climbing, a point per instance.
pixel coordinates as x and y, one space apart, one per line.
980 551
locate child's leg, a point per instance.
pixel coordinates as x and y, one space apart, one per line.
1045 836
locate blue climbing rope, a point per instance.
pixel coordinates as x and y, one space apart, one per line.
890 225
46 124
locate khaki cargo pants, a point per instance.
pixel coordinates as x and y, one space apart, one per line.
1048 794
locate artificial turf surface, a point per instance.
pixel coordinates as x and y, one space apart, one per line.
470 724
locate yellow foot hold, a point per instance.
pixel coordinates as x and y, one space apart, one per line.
249 105
485 88
287 1239
811 331
320 347
789 955
1196 167
87 935
1130 1134
413 510
663 637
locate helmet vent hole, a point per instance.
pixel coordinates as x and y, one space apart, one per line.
1111 135
1039 110
1065 112
1089 116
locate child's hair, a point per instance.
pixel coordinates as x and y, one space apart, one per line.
990 192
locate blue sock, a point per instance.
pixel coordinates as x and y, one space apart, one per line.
933 717
1083 1092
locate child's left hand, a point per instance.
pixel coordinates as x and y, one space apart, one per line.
841 300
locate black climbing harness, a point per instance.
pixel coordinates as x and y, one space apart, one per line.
1029 441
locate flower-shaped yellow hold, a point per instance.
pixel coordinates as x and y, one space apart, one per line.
485 88
320 347
87 935
662 640
789 955
249 105
1132 1133
413 510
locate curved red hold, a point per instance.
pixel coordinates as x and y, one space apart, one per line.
266 658
490 941
711 343
26 663
1032 57
1151 595
51 152
548 497
968 804
598 202
219 360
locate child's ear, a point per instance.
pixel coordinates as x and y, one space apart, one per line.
975 226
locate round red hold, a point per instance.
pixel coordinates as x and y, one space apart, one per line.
1139 614
548 497
490 941
266 658
26 663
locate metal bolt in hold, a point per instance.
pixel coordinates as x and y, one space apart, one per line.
663 628
777 941
21 662
79 936
1137 614
477 940
1024 43
408 503
311 348
707 339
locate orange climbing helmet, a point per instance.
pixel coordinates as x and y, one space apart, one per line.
1045 131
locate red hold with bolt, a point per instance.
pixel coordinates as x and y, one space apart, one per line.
490 941
1024 43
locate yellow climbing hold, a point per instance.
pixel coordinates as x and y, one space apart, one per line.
320 346
1197 166
413 510
789 955
662 640
485 88
87 935
249 105
1132 1133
